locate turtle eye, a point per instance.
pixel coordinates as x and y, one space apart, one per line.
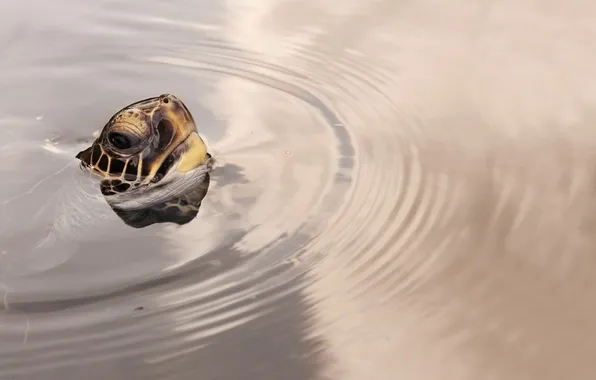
121 140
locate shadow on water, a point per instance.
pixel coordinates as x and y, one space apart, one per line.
275 344
269 348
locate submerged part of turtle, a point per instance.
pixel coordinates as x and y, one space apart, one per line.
152 164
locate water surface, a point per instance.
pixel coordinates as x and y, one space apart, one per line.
402 189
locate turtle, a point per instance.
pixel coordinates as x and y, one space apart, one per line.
152 164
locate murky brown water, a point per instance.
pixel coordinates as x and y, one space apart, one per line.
403 190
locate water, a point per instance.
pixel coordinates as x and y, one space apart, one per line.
402 189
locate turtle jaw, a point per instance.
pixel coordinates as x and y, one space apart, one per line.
192 152
183 171
172 119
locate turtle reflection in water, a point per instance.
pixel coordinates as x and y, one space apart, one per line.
152 164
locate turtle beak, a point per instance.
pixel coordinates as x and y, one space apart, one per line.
193 153
85 155
186 146
174 110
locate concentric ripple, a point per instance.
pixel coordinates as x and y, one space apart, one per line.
283 156
399 188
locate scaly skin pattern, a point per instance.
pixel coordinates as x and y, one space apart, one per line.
157 126
137 147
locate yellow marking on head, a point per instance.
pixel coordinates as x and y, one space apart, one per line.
123 174
140 168
195 155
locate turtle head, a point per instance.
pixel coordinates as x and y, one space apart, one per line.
147 152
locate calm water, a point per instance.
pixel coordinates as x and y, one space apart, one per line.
402 190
